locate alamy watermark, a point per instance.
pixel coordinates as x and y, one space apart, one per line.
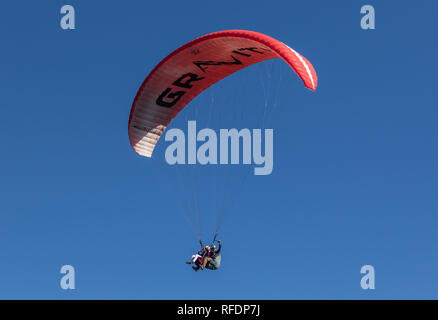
368 21
67 281
367 282
232 146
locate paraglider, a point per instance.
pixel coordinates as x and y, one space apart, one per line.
188 71
207 257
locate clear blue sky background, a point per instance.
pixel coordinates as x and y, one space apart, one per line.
355 173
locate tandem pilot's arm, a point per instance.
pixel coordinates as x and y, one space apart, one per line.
220 246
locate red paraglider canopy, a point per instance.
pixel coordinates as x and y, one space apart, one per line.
195 66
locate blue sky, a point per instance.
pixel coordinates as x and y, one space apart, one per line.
355 174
